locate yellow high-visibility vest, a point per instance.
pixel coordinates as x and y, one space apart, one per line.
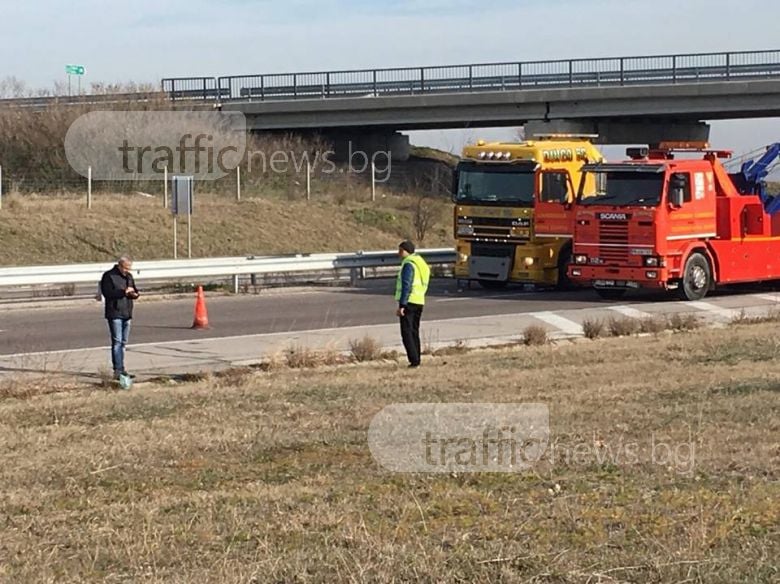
422 275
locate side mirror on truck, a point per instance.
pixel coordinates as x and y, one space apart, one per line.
455 185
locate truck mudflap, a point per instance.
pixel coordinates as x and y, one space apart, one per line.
490 268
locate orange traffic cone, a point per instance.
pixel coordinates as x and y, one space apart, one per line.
201 315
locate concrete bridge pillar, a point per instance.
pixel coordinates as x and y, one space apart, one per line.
650 131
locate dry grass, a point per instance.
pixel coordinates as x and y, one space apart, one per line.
32 233
267 476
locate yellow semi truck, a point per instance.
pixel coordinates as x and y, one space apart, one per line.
513 209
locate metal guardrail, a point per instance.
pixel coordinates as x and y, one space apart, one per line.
617 71
214 267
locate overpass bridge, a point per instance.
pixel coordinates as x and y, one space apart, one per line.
642 99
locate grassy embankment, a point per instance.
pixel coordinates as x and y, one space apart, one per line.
663 466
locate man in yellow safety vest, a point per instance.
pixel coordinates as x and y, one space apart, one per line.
411 286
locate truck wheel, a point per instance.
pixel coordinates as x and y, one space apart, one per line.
611 293
697 278
493 284
564 283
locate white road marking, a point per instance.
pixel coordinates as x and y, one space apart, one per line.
774 298
563 324
727 313
630 311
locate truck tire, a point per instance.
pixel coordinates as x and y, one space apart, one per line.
611 293
697 278
493 284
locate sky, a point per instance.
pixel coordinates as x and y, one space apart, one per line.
146 40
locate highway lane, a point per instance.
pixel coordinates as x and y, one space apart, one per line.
81 325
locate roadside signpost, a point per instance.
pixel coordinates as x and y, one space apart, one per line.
182 193
78 71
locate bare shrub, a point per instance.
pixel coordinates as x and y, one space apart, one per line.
535 335
653 325
365 349
684 322
301 357
624 326
424 216
593 328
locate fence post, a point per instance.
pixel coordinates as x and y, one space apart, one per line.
89 187
1 187
373 180
238 183
728 65
308 179
674 69
165 187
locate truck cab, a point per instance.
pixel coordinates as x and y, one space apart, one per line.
657 222
513 215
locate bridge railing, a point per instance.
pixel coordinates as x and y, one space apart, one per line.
612 71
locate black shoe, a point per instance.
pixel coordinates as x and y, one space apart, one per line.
413 365
130 375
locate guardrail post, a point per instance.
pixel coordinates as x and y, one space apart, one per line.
262 88
327 84
422 79
235 284
519 74
571 73
205 90
295 85
376 94
674 69
471 77
728 65
354 276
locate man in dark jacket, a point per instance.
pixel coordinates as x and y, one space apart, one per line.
119 290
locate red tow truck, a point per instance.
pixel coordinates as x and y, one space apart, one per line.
661 221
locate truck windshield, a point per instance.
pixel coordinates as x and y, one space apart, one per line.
625 189
507 185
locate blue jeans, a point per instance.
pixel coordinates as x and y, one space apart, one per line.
120 331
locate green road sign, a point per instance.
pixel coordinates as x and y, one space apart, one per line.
75 69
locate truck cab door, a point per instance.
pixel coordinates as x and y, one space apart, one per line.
554 216
682 218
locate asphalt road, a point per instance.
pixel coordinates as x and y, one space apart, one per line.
80 324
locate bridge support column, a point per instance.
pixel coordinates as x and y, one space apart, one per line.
625 132
378 146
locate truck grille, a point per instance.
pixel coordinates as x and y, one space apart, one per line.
614 237
492 250
497 227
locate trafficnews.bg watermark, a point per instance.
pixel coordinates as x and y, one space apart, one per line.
502 438
145 145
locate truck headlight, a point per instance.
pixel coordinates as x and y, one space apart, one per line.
580 259
652 275
465 230
529 262
576 273
652 262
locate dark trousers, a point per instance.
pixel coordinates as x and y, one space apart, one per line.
410 332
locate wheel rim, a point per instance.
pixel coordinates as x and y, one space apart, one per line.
698 277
